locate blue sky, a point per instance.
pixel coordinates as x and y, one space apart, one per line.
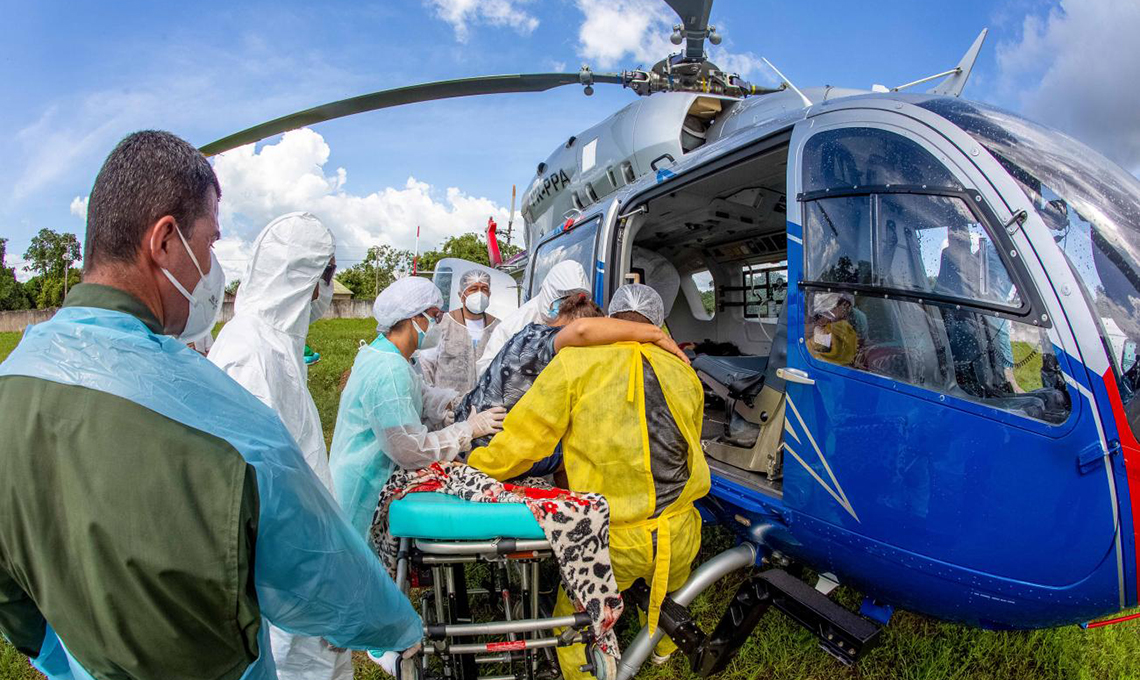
76 77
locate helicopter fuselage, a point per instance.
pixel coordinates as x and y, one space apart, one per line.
973 456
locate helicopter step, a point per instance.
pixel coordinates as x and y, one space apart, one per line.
841 633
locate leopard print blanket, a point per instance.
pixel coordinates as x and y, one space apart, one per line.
576 525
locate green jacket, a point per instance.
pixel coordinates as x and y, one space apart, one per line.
89 540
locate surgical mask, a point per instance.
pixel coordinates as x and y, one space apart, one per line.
207 296
422 339
322 303
477 302
555 307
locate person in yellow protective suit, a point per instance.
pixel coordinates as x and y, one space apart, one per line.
833 333
629 419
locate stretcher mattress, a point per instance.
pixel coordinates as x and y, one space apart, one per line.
438 516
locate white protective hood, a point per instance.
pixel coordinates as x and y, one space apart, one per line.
563 278
262 347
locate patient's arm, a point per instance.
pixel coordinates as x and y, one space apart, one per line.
605 331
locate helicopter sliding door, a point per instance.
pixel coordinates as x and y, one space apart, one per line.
928 420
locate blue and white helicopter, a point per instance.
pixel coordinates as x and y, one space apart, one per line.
916 319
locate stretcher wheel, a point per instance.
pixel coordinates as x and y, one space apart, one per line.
597 663
408 669
601 664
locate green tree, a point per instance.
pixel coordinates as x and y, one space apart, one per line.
50 292
51 254
471 247
12 294
708 299
232 286
378 270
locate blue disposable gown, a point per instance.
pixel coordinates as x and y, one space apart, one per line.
387 417
313 574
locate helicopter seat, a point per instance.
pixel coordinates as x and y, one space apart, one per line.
739 377
736 380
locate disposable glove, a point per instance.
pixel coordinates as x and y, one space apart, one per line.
487 422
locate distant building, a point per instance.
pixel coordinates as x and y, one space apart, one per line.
341 291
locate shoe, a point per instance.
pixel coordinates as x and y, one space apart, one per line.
658 660
386 661
311 357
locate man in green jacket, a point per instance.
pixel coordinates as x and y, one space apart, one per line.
153 513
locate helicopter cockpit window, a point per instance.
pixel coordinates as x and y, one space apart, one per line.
905 281
849 158
576 244
1092 207
913 243
765 289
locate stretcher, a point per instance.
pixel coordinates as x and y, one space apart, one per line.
504 628
499 629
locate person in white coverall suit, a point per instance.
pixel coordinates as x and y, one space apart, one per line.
287 286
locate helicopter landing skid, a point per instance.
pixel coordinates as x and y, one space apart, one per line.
841 633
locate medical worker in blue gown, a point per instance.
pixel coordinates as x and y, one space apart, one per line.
157 516
387 415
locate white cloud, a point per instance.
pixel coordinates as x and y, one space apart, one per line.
79 207
291 175
628 33
233 254
462 14
616 30
18 264
744 64
1058 75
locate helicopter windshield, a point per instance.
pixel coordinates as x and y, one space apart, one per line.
1093 208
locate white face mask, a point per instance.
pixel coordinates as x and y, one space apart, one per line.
425 339
323 301
477 302
206 299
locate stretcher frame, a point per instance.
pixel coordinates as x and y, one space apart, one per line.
525 644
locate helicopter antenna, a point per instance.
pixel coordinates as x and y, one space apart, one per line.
953 85
958 75
785 81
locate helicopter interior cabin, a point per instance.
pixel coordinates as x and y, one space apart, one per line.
724 237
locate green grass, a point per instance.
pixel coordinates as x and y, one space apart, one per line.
1026 365
913 647
336 340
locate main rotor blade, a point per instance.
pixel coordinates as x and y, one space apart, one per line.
443 89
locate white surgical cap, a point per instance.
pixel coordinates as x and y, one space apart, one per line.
472 277
640 298
404 299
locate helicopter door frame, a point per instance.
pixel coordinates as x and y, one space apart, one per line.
615 237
